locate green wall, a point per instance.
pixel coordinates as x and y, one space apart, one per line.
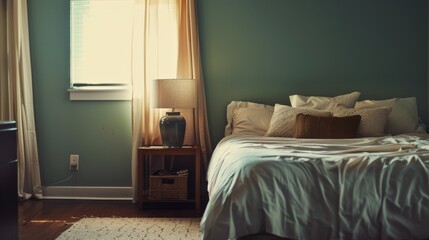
266 50
256 50
99 131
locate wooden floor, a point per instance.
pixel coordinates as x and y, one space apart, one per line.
47 219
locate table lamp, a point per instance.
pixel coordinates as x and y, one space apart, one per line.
173 93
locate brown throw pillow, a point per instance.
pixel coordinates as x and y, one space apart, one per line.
308 126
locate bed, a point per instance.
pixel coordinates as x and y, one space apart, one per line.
365 187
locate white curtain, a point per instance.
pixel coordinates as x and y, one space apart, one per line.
16 102
165 45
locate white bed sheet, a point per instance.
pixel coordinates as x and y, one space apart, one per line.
364 188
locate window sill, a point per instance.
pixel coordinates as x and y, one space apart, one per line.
97 93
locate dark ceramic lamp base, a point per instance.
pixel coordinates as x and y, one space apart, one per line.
172 127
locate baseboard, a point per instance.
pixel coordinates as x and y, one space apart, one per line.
87 193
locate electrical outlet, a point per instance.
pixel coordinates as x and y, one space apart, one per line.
74 162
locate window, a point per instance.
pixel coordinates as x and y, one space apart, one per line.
100 49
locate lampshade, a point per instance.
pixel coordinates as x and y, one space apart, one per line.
173 93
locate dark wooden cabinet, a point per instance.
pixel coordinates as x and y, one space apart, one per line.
8 181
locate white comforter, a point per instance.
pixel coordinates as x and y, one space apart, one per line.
366 188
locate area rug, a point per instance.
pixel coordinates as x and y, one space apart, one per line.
134 228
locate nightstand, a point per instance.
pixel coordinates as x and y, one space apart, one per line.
144 172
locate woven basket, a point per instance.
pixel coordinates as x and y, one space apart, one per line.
170 187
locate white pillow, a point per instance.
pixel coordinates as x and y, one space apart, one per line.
282 123
324 103
372 122
253 121
404 116
237 105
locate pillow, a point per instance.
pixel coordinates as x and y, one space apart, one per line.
324 103
373 120
308 126
404 117
282 123
237 105
251 121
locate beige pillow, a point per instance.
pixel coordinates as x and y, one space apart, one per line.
324 103
308 126
237 105
282 123
373 120
253 121
403 118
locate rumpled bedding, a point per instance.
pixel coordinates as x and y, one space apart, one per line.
363 188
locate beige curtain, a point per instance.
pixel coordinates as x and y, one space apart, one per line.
16 91
165 45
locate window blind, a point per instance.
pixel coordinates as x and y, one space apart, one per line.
100 42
